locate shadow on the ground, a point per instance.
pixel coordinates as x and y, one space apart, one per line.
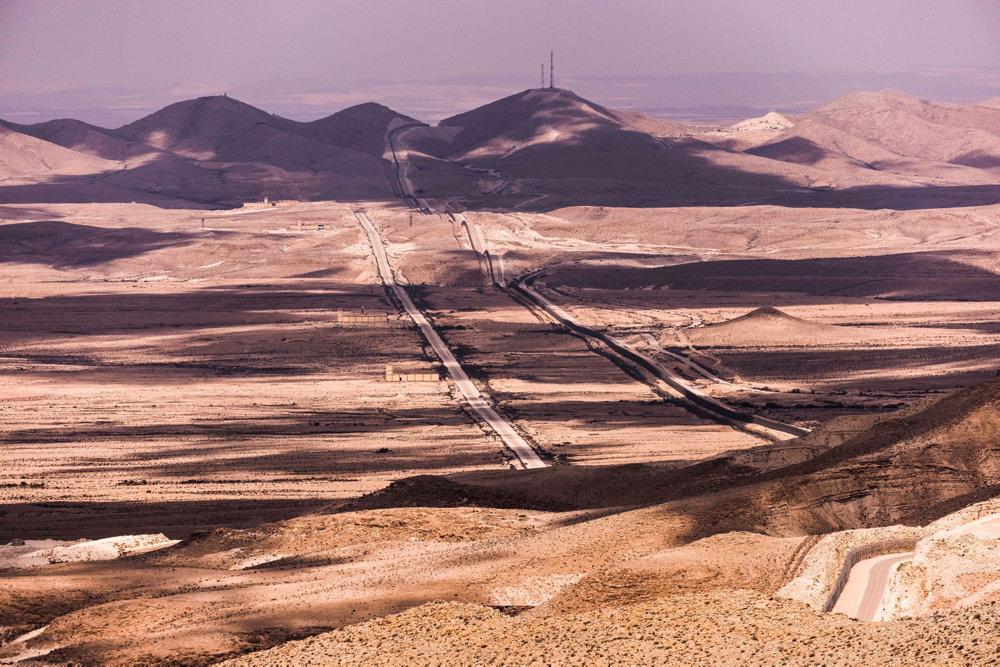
62 244
932 275
176 519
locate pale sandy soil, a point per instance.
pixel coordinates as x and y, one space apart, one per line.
951 568
182 373
226 392
570 399
713 628
874 332
165 378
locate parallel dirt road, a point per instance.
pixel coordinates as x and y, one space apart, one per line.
511 438
747 421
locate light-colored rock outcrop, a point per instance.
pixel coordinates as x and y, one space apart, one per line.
108 548
951 568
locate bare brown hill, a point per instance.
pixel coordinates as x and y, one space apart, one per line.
560 149
362 127
887 132
200 128
222 129
910 468
770 326
551 148
85 138
520 118
558 145
211 150
29 159
916 128
225 129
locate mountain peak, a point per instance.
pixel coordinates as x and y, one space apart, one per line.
368 113
527 113
197 126
769 314
361 127
555 103
770 121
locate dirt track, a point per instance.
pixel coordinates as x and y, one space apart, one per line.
473 397
118 348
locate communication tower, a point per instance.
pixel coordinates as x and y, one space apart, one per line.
542 84
552 69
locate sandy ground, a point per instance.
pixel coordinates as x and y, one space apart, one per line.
885 306
220 394
164 377
720 628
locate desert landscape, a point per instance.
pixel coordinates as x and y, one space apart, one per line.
544 382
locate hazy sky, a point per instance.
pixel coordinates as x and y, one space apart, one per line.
193 45
131 41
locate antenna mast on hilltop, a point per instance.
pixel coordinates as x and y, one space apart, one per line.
542 84
552 69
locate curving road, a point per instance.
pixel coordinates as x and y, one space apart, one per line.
862 596
750 422
400 179
511 438
867 582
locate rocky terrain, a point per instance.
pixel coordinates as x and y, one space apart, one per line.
953 567
690 628
202 459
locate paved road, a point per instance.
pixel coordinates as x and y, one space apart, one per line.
866 585
667 375
862 596
401 176
525 454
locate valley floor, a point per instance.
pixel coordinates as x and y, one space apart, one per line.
191 373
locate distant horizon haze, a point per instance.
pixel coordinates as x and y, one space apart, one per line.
707 98
112 61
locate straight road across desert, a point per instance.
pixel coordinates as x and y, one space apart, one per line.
511 438
665 374
751 422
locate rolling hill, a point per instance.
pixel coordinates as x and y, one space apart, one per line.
214 151
887 133
362 127
541 149
560 149
85 138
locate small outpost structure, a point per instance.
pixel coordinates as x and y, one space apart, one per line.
392 376
316 226
362 317
267 203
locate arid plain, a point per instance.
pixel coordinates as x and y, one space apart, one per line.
746 358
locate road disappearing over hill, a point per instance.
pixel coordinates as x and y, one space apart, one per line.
511 438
